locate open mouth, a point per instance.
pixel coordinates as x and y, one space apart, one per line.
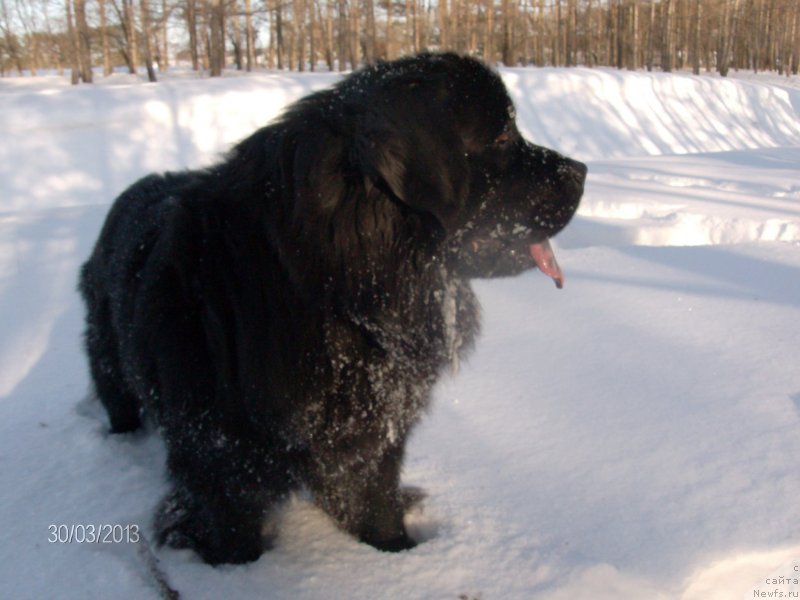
540 252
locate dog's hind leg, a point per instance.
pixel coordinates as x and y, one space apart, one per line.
225 483
227 472
122 406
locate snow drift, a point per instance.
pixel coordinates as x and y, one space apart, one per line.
83 147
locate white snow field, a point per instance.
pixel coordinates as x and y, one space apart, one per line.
635 435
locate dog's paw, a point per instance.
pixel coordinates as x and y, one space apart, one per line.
395 544
181 525
411 497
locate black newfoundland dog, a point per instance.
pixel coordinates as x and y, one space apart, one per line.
284 314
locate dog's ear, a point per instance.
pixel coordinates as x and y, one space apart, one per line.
423 164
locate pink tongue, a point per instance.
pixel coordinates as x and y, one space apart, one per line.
542 253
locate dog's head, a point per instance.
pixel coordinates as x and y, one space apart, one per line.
417 155
438 131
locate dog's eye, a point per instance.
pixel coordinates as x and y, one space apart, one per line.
502 140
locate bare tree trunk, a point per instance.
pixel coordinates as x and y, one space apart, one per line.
370 34
408 36
75 75
623 44
413 32
635 44
667 51
572 34
696 51
756 42
250 51
539 49
770 53
390 51
687 30
722 42
765 40
204 34
148 46
795 41
623 35
353 46
292 33
613 32
191 25
131 34
236 26
312 26
729 27
216 51
444 36
342 37
488 44
329 34
278 33
300 29
461 35
163 35
302 33
783 47
104 39
588 40
559 45
84 48
505 50
651 38
476 12
425 19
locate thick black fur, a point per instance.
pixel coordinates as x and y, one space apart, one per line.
284 314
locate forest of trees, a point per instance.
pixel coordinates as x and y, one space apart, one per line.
92 37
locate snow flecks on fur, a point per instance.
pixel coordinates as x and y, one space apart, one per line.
449 303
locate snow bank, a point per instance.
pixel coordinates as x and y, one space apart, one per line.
595 114
84 145
691 200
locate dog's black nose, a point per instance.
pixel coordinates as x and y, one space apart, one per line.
577 171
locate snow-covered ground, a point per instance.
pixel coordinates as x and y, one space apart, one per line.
633 436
